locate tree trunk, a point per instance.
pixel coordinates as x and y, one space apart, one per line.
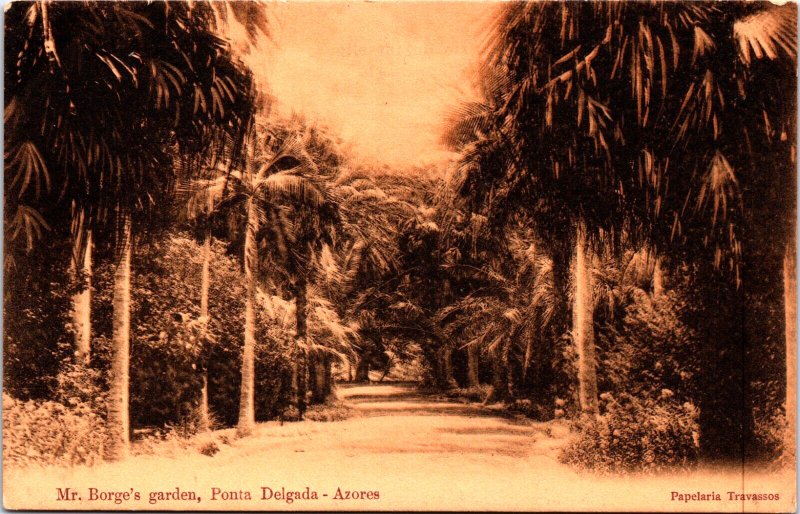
790 310
473 379
320 378
247 398
301 334
658 279
205 283
583 326
446 368
725 418
362 370
118 422
329 383
81 266
387 368
508 369
499 390
547 380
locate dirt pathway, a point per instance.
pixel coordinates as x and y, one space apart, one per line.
399 450
399 419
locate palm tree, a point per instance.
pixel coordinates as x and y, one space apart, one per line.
583 325
506 316
494 181
475 130
200 206
328 335
272 172
311 228
81 269
311 225
674 89
106 109
118 414
371 207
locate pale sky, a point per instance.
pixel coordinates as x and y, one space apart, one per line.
382 75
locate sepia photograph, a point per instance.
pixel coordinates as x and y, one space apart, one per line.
525 256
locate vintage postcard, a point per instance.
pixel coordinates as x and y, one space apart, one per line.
400 256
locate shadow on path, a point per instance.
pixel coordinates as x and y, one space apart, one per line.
391 399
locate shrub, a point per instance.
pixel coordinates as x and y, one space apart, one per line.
770 432
169 369
636 434
166 339
648 349
37 331
330 411
49 432
170 345
272 373
77 384
209 449
471 394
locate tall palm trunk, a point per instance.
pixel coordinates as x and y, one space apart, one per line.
583 325
247 398
473 378
205 284
118 423
301 334
81 266
499 390
447 381
505 357
790 310
658 278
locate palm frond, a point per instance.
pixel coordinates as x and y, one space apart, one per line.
767 33
289 185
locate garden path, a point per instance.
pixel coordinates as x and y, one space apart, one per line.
416 451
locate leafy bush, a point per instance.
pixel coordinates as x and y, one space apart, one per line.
646 371
166 337
37 332
68 430
472 394
170 345
648 348
272 372
49 432
329 411
169 367
770 433
636 434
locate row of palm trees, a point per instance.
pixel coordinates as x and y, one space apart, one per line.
212 163
101 101
654 135
272 178
662 126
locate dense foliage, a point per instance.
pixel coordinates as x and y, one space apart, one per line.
612 246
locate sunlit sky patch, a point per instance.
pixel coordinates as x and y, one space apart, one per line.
380 74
